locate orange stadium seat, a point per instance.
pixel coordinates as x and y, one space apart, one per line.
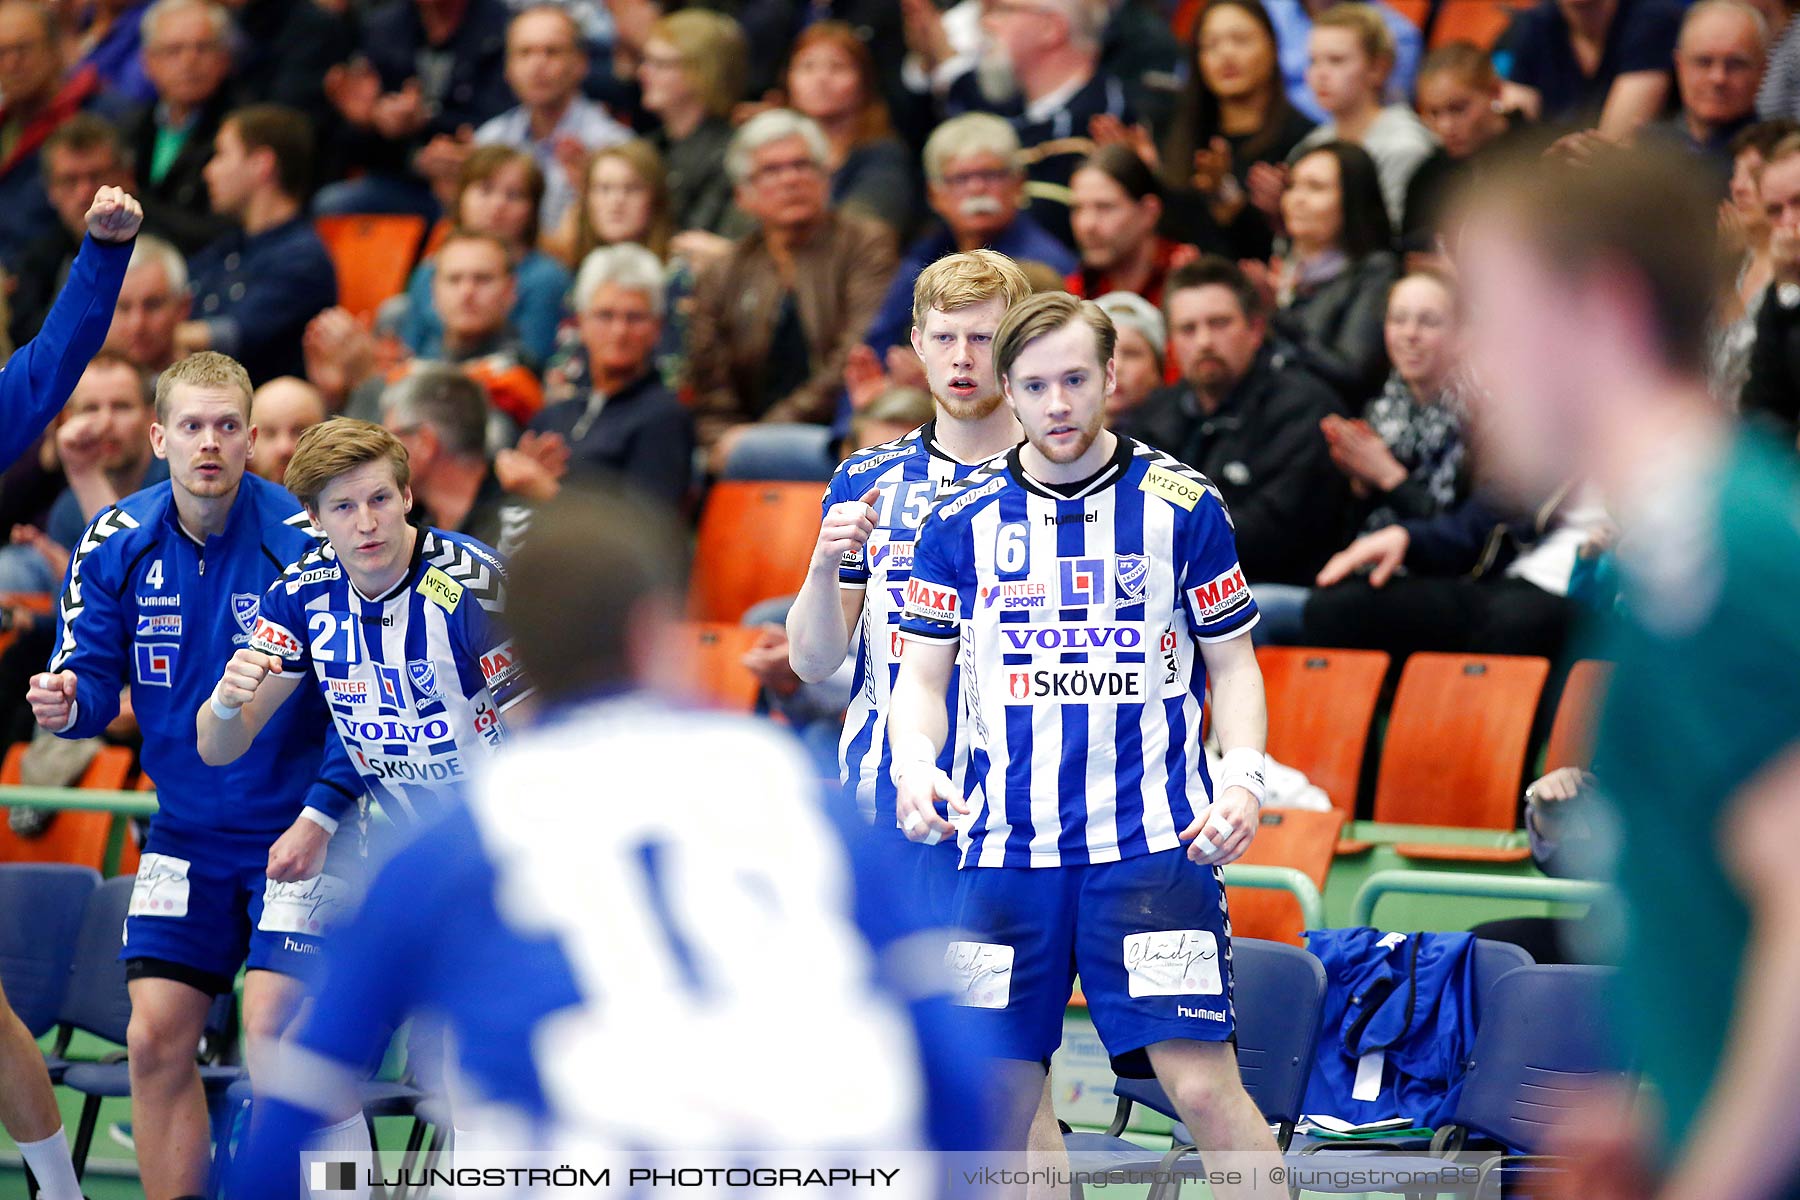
1572 733
1455 748
720 676
74 836
1479 21
1321 703
373 255
755 540
1287 837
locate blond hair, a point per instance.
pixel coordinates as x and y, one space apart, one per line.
972 277
1365 21
337 446
207 370
714 54
1045 313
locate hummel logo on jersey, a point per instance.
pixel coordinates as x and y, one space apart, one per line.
1083 581
1073 637
933 601
1075 683
1080 518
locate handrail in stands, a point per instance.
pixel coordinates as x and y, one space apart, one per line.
1477 886
130 803
1282 879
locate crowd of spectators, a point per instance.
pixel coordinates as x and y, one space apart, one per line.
659 229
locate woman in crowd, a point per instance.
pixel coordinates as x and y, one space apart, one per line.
1459 102
1232 129
624 198
1331 290
1407 455
1744 236
831 78
692 75
1139 353
498 194
1352 53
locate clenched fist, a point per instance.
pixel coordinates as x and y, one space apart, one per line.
243 675
114 216
52 699
846 529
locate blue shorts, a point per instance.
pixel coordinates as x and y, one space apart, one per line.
204 906
1149 937
934 878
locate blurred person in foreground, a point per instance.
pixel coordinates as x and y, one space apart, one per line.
1594 287
729 927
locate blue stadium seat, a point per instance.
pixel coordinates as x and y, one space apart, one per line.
792 452
41 907
95 1000
1542 1043
1277 993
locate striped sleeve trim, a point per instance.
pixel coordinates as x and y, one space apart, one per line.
109 523
480 577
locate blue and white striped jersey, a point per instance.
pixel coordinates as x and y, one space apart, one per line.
910 472
1080 610
416 679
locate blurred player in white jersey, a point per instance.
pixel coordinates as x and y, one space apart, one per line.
1093 586
639 928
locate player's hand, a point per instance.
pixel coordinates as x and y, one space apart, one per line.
846 528
114 216
244 674
1380 553
299 853
52 699
1223 830
916 795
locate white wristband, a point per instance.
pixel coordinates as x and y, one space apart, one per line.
222 710
319 818
1243 767
911 750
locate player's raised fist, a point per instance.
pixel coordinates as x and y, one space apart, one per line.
114 216
52 699
243 675
846 529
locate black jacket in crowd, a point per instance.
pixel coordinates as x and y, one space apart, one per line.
1264 451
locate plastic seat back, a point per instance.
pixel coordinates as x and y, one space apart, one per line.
1321 704
74 836
1287 837
373 254
96 1001
41 907
720 677
1456 740
755 540
1577 715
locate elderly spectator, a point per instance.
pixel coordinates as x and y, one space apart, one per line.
153 302
773 324
34 100
428 74
498 194
1139 355
977 186
692 74
1719 60
831 78
629 424
280 411
1352 55
1040 68
624 198
546 60
187 53
1115 207
79 159
1601 63
255 289
1248 417
440 415
1330 291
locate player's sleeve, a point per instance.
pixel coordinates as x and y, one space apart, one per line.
339 786
853 567
1218 601
374 966
91 638
940 594
485 638
280 628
